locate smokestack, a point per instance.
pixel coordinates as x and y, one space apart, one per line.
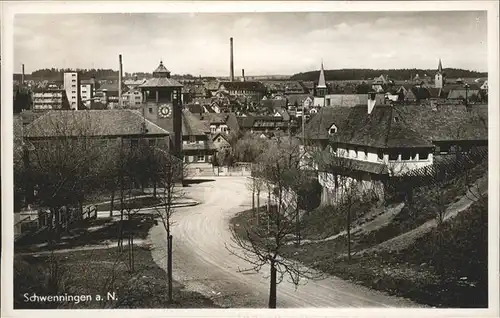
231 62
242 74
120 82
22 75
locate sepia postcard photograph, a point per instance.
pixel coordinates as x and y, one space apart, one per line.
270 155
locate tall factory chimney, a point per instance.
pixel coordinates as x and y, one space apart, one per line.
22 75
231 63
120 82
242 74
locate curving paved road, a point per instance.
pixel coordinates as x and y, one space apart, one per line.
203 264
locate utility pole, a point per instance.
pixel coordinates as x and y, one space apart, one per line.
120 82
466 96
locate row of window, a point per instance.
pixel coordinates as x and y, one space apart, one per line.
193 141
223 129
199 158
393 156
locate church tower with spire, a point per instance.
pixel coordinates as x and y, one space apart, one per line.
321 88
438 78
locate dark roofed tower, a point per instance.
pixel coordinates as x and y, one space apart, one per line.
162 99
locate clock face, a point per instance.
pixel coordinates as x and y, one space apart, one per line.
164 111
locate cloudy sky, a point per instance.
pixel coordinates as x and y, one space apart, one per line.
264 43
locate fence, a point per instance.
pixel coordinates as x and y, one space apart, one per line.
41 219
237 170
443 171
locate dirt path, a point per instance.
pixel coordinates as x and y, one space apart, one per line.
104 245
406 239
203 264
379 221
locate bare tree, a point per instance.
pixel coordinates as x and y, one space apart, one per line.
63 158
170 171
264 245
437 198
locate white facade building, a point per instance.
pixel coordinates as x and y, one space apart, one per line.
72 88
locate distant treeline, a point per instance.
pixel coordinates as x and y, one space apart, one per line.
395 74
55 74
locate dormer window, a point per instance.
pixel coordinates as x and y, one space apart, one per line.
332 130
396 119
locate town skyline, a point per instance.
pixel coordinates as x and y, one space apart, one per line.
202 46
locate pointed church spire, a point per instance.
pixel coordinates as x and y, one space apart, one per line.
321 81
440 67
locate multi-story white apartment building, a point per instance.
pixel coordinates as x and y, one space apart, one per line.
72 88
49 99
87 91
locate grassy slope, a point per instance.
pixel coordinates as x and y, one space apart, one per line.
412 272
86 272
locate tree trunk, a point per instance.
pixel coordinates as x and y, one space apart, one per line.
297 224
258 206
154 189
349 232
57 225
272 286
253 201
111 206
169 267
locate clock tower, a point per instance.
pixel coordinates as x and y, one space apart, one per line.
163 106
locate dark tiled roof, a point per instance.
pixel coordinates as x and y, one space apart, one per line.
29 116
274 103
232 122
113 87
248 86
246 122
214 118
436 92
284 113
351 100
191 125
212 85
161 82
205 146
195 108
421 92
318 125
57 123
299 98
448 122
161 69
461 93
383 128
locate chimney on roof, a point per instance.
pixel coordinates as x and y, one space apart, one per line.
22 75
120 82
231 61
371 101
242 74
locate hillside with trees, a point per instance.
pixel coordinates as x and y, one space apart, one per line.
55 74
396 74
